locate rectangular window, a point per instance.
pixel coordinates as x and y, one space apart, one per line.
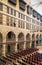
14 23
28 26
11 21
8 10
12 2
19 23
1 18
1 7
23 24
19 14
34 13
38 16
8 20
14 12
11 11
28 19
22 5
28 9
23 17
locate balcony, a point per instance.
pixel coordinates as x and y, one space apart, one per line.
41 18
38 16
34 13
22 5
12 2
29 10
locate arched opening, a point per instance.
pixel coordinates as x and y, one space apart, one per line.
27 40
33 40
10 38
20 45
37 37
1 40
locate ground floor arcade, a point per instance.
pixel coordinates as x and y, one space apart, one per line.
20 43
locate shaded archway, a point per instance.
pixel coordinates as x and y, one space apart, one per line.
10 38
20 45
1 47
37 39
33 41
27 40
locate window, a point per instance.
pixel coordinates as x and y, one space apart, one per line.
0 18
8 20
11 11
23 24
11 21
22 5
40 24
38 16
23 16
28 26
14 23
1 6
28 19
14 12
33 21
8 10
12 2
19 14
34 13
28 9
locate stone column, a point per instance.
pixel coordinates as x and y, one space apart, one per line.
4 45
4 49
24 42
38 42
30 41
35 43
16 44
30 44
16 47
